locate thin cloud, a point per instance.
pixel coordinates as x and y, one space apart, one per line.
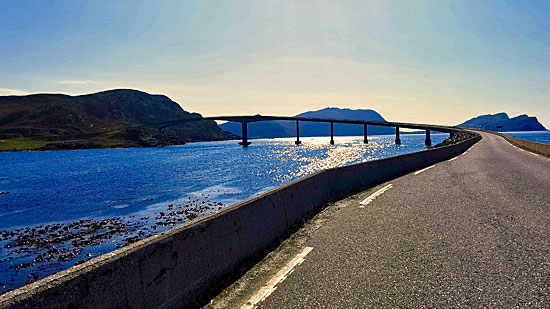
7 91
77 82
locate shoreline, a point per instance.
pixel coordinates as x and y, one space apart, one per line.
2 150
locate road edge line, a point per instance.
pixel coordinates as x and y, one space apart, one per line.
270 286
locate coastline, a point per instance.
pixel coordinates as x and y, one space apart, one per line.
45 145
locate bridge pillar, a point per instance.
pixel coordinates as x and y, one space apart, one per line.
428 141
365 140
397 138
245 141
332 133
297 142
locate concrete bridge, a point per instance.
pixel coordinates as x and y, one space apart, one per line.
244 120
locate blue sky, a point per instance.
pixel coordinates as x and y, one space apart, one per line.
417 61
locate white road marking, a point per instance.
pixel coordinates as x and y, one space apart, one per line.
374 195
267 289
465 152
422 170
521 149
535 154
453 159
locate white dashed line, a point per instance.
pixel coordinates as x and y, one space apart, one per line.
266 290
374 195
423 170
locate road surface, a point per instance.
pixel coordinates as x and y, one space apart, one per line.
468 232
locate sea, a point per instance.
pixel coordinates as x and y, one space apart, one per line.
61 208
534 136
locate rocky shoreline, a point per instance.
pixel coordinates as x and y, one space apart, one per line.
45 249
455 138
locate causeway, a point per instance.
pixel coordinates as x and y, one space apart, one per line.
473 231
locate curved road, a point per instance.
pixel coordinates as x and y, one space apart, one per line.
469 232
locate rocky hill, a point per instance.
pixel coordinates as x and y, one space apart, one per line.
114 118
271 129
490 122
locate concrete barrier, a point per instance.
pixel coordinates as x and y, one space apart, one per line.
539 148
351 179
172 268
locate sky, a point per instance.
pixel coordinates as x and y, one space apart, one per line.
439 62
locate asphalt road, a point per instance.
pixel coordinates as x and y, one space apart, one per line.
470 232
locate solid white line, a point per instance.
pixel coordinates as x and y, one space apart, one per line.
374 195
535 154
521 149
267 289
453 159
465 152
422 170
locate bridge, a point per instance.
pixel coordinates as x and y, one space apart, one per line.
244 120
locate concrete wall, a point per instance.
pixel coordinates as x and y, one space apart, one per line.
172 268
542 149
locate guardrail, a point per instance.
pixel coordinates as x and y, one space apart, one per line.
539 148
172 268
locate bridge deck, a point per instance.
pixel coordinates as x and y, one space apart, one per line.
249 119
474 231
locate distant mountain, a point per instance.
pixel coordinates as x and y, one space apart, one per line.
271 129
490 122
100 120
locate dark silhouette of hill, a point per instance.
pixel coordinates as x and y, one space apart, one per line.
100 120
490 122
271 129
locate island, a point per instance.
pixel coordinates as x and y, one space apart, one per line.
501 122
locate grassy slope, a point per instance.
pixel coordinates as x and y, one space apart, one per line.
21 144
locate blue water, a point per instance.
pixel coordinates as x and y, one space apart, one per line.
536 136
83 203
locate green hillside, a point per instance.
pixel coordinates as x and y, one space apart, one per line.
114 118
